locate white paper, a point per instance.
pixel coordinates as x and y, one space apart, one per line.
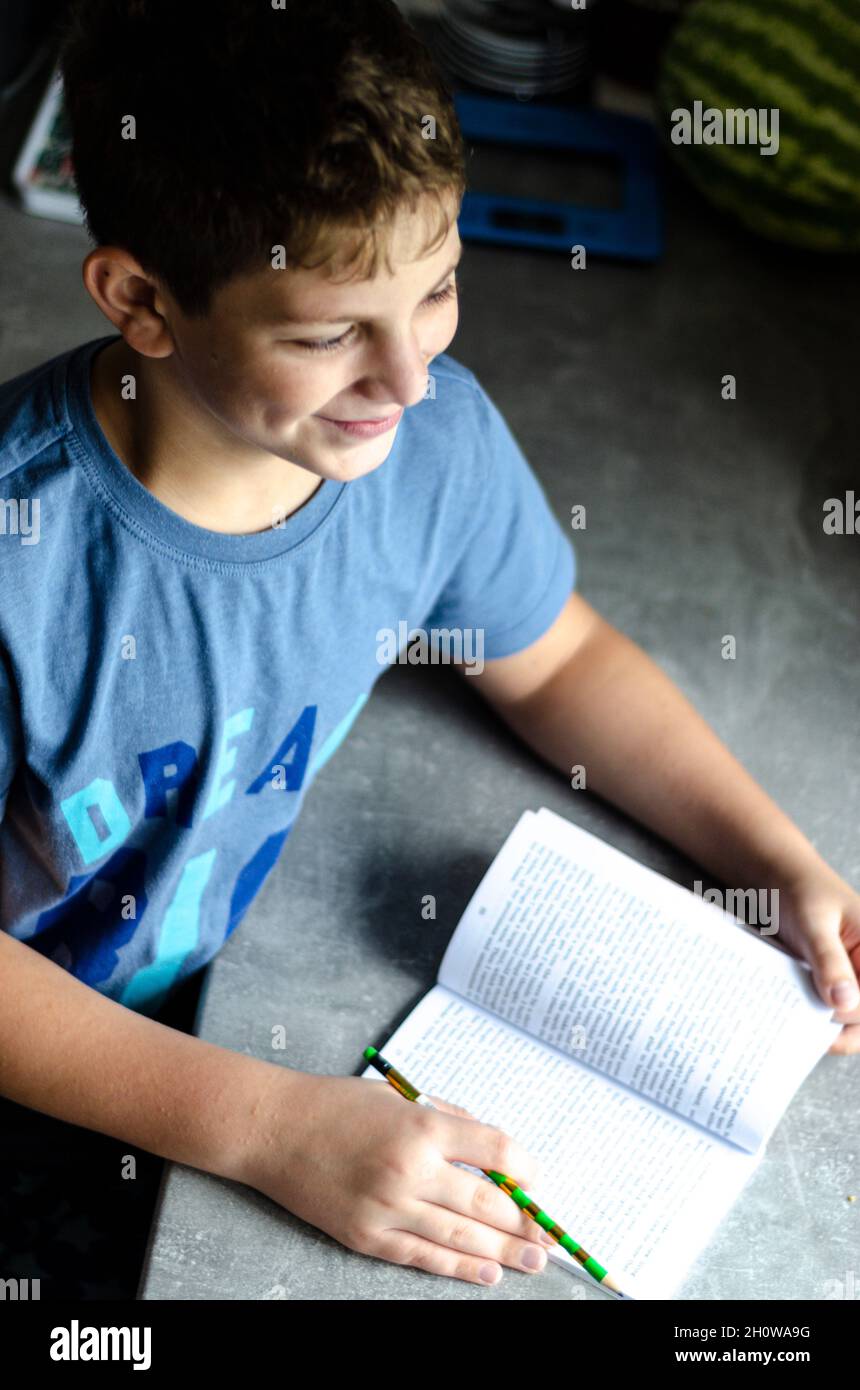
639 1188
609 962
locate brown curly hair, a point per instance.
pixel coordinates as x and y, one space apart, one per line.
303 125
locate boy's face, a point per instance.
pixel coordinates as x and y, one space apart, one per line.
282 354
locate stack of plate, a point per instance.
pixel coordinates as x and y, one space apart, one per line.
524 48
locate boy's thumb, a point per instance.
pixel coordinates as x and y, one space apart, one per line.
832 971
439 1104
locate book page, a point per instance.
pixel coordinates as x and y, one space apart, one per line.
615 965
640 1189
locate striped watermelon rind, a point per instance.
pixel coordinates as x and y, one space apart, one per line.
803 57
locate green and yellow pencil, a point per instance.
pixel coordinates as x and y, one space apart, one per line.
508 1185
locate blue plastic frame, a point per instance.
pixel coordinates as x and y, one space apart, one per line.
632 232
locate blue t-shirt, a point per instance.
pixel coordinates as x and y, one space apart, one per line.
167 693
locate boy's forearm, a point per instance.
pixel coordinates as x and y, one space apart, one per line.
644 747
72 1053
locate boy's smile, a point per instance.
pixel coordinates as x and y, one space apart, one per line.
365 429
290 378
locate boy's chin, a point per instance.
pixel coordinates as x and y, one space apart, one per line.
336 462
343 466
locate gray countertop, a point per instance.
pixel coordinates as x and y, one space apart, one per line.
704 518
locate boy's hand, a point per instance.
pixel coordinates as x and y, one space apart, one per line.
819 921
375 1172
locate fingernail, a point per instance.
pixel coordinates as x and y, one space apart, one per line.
491 1274
844 995
532 1258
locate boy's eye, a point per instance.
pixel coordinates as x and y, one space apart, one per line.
332 344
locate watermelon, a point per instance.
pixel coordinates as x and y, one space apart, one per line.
801 57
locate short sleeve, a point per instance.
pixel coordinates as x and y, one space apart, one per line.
10 732
514 566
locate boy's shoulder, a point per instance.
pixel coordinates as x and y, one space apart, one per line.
450 369
451 383
32 416
456 407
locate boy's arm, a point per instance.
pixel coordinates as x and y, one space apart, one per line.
72 1053
585 694
342 1154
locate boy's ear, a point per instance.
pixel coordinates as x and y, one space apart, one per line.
129 297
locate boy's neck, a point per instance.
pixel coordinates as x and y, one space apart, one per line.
195 468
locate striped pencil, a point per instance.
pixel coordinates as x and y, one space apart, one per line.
508 1185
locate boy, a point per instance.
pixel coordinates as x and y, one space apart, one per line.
236 495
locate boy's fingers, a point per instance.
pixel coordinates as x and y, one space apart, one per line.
483 1146
832 970
450 1109
456 1192
525 1170
847 1043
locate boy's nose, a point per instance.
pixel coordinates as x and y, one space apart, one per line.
403 369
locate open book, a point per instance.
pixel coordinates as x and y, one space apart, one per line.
638 1041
